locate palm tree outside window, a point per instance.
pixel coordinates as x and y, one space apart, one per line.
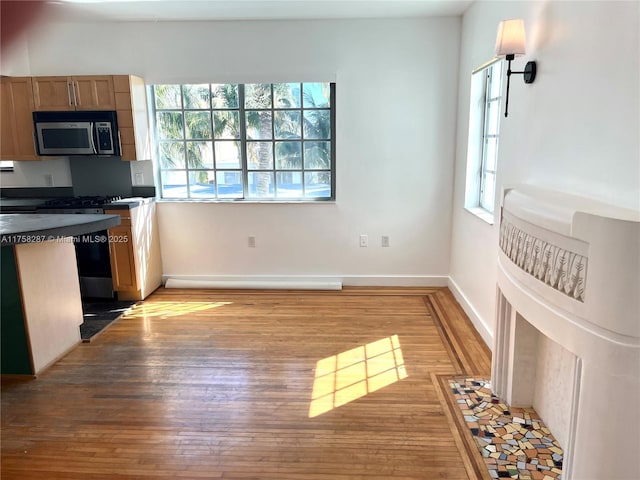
261 141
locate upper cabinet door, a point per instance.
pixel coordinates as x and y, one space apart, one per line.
91 92
94 92
16 105
53 93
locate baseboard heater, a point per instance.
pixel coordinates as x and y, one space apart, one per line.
254 284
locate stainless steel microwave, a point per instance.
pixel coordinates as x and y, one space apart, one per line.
77 133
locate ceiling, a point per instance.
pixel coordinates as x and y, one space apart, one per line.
172 10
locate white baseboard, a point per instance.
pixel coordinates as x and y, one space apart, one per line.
395 281
347 280
472 313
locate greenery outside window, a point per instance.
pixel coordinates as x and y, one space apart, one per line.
484 133
245 141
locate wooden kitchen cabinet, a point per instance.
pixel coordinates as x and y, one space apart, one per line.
134 249
16 129
123 267
94 92
90 92
21 96
133 120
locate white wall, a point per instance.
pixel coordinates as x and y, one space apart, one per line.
575 129
396 108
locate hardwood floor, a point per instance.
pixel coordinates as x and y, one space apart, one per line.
253 385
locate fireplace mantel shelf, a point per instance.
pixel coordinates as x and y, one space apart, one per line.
556 211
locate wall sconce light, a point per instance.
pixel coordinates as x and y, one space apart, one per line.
509 45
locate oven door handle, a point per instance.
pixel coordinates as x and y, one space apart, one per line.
93 137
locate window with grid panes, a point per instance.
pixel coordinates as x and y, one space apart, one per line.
245 141
484 133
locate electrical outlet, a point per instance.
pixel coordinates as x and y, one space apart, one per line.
139 179
251 242
364 240
384 241
48 180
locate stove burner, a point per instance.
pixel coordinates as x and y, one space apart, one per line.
80 202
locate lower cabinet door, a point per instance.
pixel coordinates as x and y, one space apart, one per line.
123 270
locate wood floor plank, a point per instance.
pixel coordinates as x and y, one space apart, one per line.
252 385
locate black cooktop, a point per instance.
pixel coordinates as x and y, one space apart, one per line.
79 202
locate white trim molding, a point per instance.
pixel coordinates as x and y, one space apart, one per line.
326 282
477 321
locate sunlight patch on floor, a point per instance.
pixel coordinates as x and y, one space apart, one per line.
171 309
350 375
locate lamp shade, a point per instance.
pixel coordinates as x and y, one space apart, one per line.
510 39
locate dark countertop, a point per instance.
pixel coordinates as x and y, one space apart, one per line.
29 228
15 205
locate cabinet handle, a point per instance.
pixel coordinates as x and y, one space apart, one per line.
35 143
69 86
75 85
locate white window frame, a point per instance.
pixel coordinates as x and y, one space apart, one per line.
244 169
482 162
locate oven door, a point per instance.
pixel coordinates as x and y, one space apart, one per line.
65 138
94 267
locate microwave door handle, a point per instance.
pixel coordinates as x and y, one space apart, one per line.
92 137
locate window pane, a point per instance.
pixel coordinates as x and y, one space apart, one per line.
230 184
488 191
317 124
490 154
196 96
227 154
289 184
316 95
287 95
493 118
496 80
317 184
224 95
258 125
287 124
317 155
169 125
202 184
167 96
261 184
197 124
174 184
289 156
199 155
259 155
236 141
226 124
171 154
257 95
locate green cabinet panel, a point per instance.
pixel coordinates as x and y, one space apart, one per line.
14 356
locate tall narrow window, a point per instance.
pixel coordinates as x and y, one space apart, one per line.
258 141
484 132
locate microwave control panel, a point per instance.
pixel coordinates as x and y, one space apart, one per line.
105 138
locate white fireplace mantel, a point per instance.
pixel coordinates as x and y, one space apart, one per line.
567 336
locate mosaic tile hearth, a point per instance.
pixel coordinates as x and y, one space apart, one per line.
514 442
